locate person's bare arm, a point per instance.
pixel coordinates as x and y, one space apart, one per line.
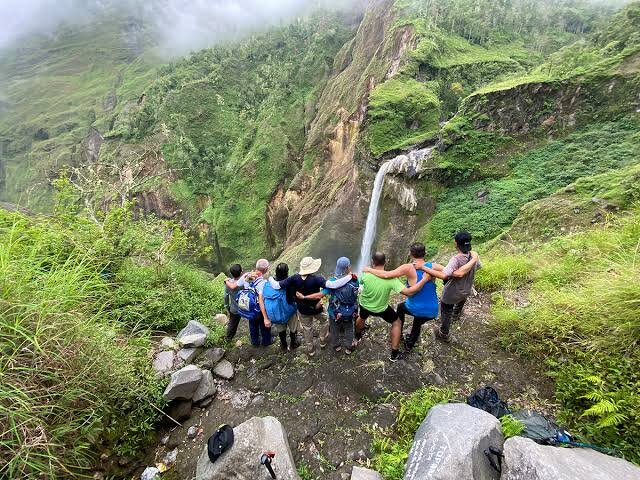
466 268
313 296
437 266
401 271
410 291
434 273
267 322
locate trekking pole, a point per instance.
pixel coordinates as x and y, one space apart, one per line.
265 460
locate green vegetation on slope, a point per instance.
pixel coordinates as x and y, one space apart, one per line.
75 369
236 117
488 207
581 318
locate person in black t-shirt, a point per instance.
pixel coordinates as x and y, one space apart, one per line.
306 282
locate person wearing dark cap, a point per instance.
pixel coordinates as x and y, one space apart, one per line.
457 288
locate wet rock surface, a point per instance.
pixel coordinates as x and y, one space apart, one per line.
329 404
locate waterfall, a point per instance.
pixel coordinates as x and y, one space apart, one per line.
410 164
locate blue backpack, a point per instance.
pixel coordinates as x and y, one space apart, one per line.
279 310
344 301
247 299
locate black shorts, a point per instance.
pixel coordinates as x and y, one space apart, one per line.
389 315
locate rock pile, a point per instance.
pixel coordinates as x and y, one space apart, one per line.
191 368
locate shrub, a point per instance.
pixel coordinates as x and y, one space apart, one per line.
71 381
391 447
582 318
510 426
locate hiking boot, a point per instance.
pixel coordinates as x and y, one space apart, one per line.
442 337
395 356
294 341
283 342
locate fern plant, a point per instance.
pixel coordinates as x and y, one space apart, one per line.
606 408
511 426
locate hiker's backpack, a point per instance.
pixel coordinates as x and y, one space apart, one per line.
344 301
279 310
247 298
487 399
540 429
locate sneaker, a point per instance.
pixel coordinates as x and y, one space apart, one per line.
338 349
348 351
395 356
323 345
442 337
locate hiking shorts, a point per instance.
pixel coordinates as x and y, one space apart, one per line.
389 315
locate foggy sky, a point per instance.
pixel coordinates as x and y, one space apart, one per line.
183 25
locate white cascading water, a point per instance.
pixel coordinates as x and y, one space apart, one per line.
401 163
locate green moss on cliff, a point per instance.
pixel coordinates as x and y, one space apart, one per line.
401 112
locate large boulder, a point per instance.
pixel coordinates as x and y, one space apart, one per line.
524 459
207 387
450 445
193 328
211 357
194 340
188 355
242 460
183 383
359 473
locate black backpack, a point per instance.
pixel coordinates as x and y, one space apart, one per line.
219 442
487 399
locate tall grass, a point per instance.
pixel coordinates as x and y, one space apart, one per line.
70 383
582 316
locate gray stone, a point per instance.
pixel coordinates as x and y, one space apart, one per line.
526 460
175 440
171 457
193 328
211 357
184 383
163 363
359 473
207 387
168 343
193 341
221 318
224 369
192 432
252 439
206 402
150 473
164 440
188 355
450 445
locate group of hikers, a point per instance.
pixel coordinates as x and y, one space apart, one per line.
288 303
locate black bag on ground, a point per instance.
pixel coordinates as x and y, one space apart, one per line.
540 429
219 442
487 399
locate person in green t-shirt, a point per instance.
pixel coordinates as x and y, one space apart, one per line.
374 301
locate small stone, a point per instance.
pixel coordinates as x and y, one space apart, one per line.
221 318
206 402
174 441
238 343
163 363
193 341
124 461
192 432
188 355
164 440
98 475
211 357
258 401
168 343
150 473
104 457
435 378
171 457
359 473
193 328
224 369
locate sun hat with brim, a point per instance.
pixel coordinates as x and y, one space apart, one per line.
309 265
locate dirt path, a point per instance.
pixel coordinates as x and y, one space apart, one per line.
326 403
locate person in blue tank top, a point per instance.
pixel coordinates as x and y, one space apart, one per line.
423 306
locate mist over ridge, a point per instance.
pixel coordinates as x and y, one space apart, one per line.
180 26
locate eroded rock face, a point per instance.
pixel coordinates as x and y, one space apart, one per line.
183 383
242 460
526 460
450 445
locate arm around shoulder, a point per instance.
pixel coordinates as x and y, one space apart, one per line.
466 268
